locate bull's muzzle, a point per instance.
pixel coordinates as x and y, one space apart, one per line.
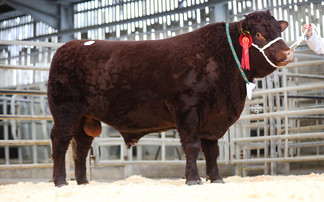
290 55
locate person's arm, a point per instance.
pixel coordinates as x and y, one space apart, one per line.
311 40
314 44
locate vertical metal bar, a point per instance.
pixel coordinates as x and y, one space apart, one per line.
44 122
265 128
322 93
298 149
290 105
14 128
129 168
34 135
122 151
227 136
284 78
221 151
243 165
233 145
278 119
258 135
43 112
297 105
243 146
286 140
13 122
139 152
19 132
95 148
6 132
163 146
20 152
130 154
88 168
273 146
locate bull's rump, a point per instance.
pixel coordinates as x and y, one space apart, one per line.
124 84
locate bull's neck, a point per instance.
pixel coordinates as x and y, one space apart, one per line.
237 61
235 35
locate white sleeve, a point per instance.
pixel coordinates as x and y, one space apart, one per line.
314 44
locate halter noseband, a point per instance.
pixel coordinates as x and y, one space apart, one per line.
265 47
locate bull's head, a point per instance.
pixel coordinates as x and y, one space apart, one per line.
266 31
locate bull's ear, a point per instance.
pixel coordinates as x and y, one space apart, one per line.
283 25
244 27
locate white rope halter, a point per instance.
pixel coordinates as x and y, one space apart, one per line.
265 47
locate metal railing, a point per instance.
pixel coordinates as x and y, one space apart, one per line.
23 128
280 122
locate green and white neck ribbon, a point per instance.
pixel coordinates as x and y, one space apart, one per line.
249 85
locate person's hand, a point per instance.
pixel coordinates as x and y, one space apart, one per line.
309 27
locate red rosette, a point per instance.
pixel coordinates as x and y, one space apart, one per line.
245 42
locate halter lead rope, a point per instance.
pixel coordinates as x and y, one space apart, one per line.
301 38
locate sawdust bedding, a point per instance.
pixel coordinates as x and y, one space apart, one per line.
137 188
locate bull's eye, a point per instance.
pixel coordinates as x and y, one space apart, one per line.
259 36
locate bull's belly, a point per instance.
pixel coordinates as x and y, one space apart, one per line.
144 125
142 120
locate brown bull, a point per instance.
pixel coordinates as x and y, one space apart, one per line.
189 82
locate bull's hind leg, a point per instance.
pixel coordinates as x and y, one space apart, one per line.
67 120
211 151
81 144
61 138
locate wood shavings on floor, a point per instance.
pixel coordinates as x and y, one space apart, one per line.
137 188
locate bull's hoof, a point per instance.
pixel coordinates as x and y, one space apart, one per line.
193 182
219 181
62 185
82 182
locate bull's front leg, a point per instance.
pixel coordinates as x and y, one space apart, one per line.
211 151
188 128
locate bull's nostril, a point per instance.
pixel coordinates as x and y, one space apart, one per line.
290 56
